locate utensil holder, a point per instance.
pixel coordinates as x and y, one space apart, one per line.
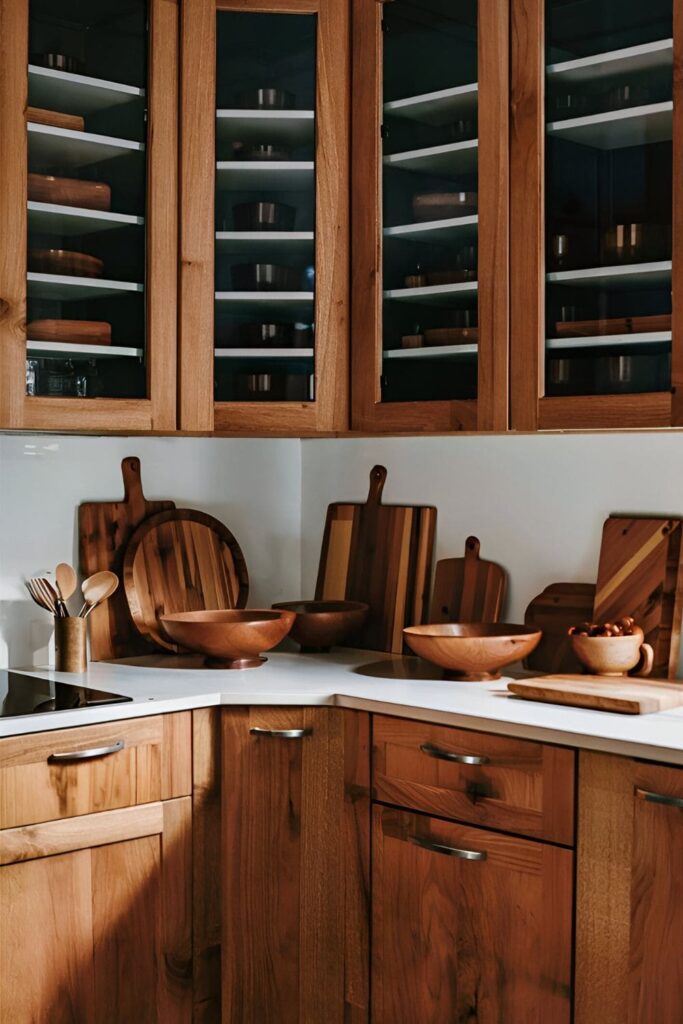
71 645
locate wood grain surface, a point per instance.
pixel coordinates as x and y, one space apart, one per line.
558 607
182 560
104 529
382 555
627 696
468 589
641 574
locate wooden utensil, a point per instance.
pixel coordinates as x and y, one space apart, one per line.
65 581
96 590
641 574
55 118
380 555
104 529
38 597
181 561
91 195
625 696
65 261
75 332
468 589
558 607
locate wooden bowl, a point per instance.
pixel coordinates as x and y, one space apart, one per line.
91 195
443 205
64 261
232 638
319 625
75 332
614 655
472 651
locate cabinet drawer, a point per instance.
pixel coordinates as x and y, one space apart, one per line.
501 783
67 772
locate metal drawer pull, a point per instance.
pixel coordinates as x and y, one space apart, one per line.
660 798
86 755
446 755
449 851
281 734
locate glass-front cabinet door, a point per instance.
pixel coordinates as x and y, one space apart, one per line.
87 212
430 215
264 331
598 154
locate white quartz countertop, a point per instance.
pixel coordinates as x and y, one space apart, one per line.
363 680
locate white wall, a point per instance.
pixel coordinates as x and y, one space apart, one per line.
253 486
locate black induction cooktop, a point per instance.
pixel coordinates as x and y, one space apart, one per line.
22 694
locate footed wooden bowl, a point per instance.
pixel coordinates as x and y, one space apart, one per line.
230 638
319 625
472 651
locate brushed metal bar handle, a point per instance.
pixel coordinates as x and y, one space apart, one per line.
86 755
448 851
660 798
281 734
445 755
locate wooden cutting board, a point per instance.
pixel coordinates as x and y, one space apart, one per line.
468 589
380 554
181 561
626 696
104 529
641 574
560 606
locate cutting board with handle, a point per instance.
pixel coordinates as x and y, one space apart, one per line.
468 589
641 574
104 529
558 607
625 696
382 555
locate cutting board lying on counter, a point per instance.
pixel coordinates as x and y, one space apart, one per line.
627 696
382 555
104 529
560 606
468 589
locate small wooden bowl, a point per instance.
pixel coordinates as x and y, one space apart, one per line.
64 261
230 638
91 195
319 625
614 655
472 651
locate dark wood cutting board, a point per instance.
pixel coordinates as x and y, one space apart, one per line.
560 606
468 589
104 529
380 554
625 696
641 574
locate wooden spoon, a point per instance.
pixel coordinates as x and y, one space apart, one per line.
47 592
65 578
96 589
37 595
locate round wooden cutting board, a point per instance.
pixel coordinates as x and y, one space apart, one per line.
181 561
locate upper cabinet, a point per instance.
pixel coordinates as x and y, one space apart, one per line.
264 216
430 215
88 262
597 213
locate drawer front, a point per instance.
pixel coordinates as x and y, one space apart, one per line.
502 783
42 776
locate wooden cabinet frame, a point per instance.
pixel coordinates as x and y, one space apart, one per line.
197 409
490 410
530 408
157 412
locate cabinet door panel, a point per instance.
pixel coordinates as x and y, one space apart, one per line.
461 940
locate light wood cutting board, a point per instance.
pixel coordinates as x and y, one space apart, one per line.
468 589
626 696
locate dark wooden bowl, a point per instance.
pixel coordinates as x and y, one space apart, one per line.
319 625
472 651
231 638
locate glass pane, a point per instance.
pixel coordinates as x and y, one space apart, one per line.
430 311
265 207
86 199
609 196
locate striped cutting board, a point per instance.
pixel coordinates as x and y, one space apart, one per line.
382 555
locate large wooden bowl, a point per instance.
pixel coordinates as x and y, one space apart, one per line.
319 625
230 638
472 651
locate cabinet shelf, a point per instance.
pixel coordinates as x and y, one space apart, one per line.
279 243
618 129
635 275
432 352
436 108
292 126
268 303
648 57
451 158
63 350
51 218
265 354
256 175
68 289
452 229
70 150
81 94
433 295
609 341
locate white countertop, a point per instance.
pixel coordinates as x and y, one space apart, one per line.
364 680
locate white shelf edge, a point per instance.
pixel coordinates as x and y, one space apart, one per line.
408 102
130 91
240 114
264 297
75 212
58 350
608 341
431 351
610 117
621 56
67 134
276 166
424 154
431 226
597 273
432 291
264 353
68 280
265 236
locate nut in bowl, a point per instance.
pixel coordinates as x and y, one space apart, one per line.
472 651
319 625
612 649
230 638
